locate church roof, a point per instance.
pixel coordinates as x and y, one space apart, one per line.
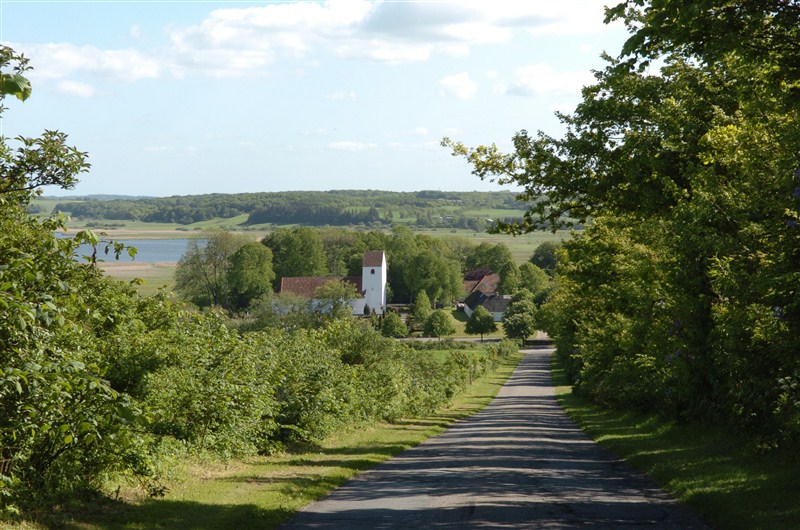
306 286
373 258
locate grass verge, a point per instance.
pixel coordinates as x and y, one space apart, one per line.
716 473
263 492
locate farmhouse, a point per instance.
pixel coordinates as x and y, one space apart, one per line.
371 286
482 291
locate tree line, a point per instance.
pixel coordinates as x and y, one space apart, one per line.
681 296
334 208
233 271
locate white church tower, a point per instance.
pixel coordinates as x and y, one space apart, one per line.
373 280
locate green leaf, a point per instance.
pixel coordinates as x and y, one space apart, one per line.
15 85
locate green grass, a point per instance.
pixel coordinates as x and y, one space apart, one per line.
713 471
261 493
461 319
521 247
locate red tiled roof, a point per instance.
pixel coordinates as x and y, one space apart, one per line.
373 258
488 284
307 286
470 285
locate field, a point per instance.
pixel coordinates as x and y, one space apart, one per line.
153 276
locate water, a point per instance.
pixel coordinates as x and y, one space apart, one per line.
149 250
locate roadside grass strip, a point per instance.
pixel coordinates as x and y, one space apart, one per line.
721 476
263 492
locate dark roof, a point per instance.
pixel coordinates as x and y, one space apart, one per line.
307 286
493 302
373 258
497 303
475 299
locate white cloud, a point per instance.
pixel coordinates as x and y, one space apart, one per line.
458 85
351 146
76 88
342 95
232 41
420 131
240 41
57 61
541 79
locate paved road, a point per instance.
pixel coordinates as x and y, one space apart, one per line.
520 463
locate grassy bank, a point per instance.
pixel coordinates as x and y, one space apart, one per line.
263 492
720 475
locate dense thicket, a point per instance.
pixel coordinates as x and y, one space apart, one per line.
683 294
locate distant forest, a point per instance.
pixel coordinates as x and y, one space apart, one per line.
472 210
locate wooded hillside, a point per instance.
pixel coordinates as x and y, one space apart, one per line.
474 210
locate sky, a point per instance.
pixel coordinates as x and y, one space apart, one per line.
187 97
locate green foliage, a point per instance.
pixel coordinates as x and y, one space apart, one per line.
393 325
296 252
488 256
203 273
376 209
519 320
480 322
503 349
545 256
510 278
533 279
62 426
420 310
250 274
681 295
435 274
439 324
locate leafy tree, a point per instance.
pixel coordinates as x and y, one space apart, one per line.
334 297
509 278
420 310
493 257
680 294
437 275
519 320
393 325
62 426
533 278
296 252
201 275
250 274
440 324
480 322
545 256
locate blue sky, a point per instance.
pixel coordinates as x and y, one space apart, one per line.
186 97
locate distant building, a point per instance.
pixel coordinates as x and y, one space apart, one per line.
371 286
495 303
481 290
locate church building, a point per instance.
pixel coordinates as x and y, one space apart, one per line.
371 285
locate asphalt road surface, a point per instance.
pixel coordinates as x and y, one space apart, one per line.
519 463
